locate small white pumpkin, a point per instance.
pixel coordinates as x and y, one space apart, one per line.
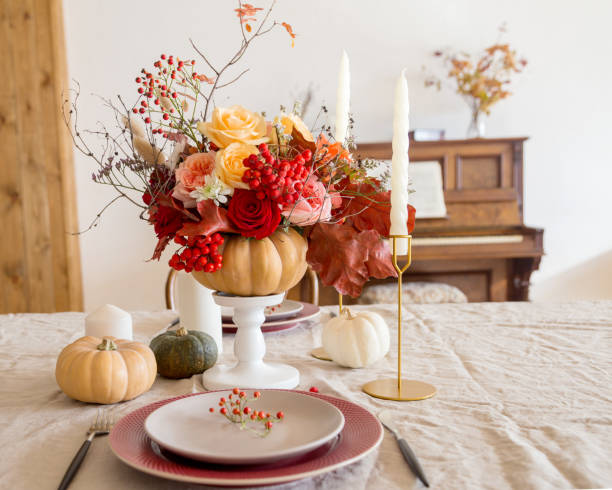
356 340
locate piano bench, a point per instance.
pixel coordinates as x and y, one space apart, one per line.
412 293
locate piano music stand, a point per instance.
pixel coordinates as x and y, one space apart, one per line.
399 389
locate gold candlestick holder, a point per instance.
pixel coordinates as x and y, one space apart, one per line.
319 352
399 389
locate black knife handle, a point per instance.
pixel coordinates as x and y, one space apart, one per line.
74 466
412 461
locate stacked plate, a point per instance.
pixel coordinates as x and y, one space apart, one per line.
280 317
180 439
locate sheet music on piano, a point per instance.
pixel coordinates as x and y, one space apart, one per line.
428 195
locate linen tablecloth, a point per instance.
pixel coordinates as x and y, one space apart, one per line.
524 399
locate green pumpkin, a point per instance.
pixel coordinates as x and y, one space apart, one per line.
183 353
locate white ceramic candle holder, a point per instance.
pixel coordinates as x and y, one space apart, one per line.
250 347
197 309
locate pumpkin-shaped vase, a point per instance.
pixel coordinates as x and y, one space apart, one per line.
106 370
356 340
258 267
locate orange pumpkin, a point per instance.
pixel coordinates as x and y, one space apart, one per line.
106 370
258 267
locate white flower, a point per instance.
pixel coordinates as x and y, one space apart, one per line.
213 188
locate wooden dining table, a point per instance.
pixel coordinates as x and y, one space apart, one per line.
524 398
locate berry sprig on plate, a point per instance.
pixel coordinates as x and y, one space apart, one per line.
235 408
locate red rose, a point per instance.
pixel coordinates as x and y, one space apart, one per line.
253 217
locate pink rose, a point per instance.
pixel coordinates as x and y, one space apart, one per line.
314 204
182 194
336 199
191 174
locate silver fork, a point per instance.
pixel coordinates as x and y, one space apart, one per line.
101 426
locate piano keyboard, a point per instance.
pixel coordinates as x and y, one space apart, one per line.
466 240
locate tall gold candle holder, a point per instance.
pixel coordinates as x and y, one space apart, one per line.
319 352
399 389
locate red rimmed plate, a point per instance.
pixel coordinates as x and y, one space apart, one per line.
307 313
362 433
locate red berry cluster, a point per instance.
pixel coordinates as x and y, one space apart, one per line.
279 180
198 253
150 86
235 409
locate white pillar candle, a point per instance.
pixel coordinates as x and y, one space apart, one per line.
343 99
399 168
108 320
197 309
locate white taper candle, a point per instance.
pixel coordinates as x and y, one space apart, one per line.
343 99
399 165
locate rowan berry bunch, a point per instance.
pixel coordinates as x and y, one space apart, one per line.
235 409
280 180
199 253
163 94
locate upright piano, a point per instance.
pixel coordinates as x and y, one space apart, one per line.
482 245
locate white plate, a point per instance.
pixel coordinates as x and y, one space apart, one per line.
286 309
309 312
186 427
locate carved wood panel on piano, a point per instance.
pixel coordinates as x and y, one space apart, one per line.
482 246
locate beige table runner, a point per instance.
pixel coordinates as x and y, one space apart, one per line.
525 399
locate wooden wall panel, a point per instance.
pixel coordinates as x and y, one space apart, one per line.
40 258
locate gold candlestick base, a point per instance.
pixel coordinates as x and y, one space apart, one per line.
411 390
399 389
320 353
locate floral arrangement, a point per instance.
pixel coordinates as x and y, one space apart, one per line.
235 408
483 81
200 179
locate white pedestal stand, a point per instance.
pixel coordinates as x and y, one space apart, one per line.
249 347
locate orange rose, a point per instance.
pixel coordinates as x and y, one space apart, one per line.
234 125
228 164
271 134
290 121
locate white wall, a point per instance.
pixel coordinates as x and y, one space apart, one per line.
563 102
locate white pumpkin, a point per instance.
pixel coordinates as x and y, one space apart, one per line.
356 340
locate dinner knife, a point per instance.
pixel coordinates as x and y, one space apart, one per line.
386 417
174 322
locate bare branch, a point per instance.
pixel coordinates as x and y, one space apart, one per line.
203 57
241 23
232 81
94 222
